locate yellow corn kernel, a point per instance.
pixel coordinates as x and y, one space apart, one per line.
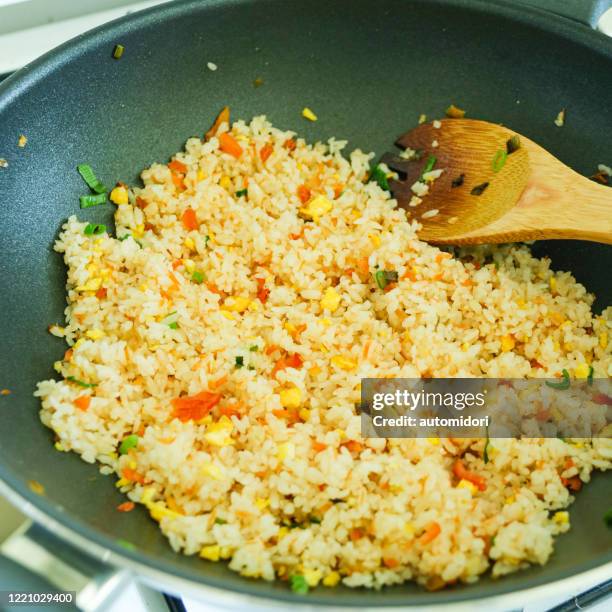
316 207
312 577
158 512
282 532
200 175
466 484
331 299
510 500
409 529
507 343
92 268
521 303
603 340
228 315
344 363
465 346
286 450
138 231
226 552
324 348
434 441
561 518
119 195
94 334
122 482
290 327
57 366
332 579
314 370
326 322
308 114
304 414
341 433
237 304
262 503
582 371
553 284
58 446
225 182
375 239
93 284
557 318
212 470
189 243
291 398
218 433
189 265
106 273
212 553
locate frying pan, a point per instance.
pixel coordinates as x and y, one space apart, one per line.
368 69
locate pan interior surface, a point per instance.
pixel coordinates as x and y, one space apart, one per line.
368 70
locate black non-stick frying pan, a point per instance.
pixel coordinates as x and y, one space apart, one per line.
368 68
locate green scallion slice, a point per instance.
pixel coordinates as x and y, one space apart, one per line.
87 173
242 192
608 518
206 239
563 385
429 165
118 51
485 452
128 442
87 201
384 277
590 375
499 160
239 362
380 176
254 348
173 325
94 229
197 277
76 381
298 584
220 521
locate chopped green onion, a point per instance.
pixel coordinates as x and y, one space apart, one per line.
206 239
125 544
608 518
76 381
384 277
429 165
563 385
315 519
127 443
242 192
253 348
173 325
479 189
197 277
87 173
457 182
220 521
380 176
590 375
298 584
124 237
239 362
250 367
94 229
87 201
485 453
499 160
513 144
118 51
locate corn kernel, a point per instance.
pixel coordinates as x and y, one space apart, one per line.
94 334
189 265
375 239
138 231
200 175
225 182
237 304
212 470
582 371
603 340
122 482
316 207
312 577
466 484
332 579
553 284
158 512
58 446
212 553
228 315
314 370
561 518
409 529
308 114
286 450
557 318
226 552
507 343
282 532
291 398
93 284
331 299
218 433
262 503
119 195
510 500
304 414
189 243
344 363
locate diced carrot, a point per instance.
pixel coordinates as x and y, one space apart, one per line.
432 531
266 151
229 410
390 562
214 289
179 182
356 534
442 256
338 189
460 471
101 293
354 446
195 407
189 219
290 144
262 291
534 363
573 484
363 266
82 402
569 463
291 361
176 263
318 446
410 274
176 166
222 117
228 144
68 355
303 193
132 475
468 282
141 202
126 506
271 348
296 236
215 384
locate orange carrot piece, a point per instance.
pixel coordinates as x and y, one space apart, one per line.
338 189
101 293
68 354
272 348
291 361
290 144
141 202
228 144
176 263
262 291
194 407
215 384
432 531
82 402
266 151
189 219
303 193
460 471
133 475
318 446
222 117
126 506
177 166
363 266
354 446
390 562
573 484
356 534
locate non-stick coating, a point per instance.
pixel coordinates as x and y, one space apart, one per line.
368 69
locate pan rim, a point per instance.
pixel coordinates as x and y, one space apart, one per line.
88 538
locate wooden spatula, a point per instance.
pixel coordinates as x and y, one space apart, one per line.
496 186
